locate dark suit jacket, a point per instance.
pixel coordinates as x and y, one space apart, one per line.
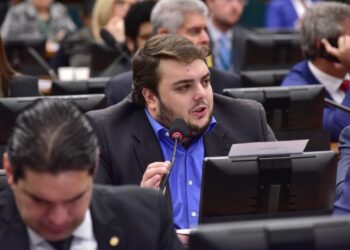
139 218
120 86
334 120
128 142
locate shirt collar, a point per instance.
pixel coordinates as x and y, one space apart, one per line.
215 33
158 128
330 83
83 231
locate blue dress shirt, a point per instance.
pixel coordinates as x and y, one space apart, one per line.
186 174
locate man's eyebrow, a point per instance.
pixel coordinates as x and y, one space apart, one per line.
183 81
190 80
206 75
34 196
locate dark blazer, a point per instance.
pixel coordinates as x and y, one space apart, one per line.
128 142
120 86
344 161
139 218
23 85
334 120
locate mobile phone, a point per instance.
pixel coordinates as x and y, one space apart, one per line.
323 53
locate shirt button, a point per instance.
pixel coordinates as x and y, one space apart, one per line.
194 214
190 182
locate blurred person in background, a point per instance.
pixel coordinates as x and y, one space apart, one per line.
226 36
38 20
286 14
138 29
109 14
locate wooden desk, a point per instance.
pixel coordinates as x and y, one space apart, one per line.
334 147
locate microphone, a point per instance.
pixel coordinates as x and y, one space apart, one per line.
333 104
110 41
41 61
177 132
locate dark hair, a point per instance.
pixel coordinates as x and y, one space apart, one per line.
138 14
52 136
6 71
322 20
146 61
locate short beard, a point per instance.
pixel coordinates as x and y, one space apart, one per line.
166 117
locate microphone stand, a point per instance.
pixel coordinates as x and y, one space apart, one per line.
164 181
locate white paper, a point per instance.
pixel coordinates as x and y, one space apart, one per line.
268 148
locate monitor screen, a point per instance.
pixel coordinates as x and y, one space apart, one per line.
11 106
307 233
287 107
263 78
288 112
271 50
17 52
90 86
241 188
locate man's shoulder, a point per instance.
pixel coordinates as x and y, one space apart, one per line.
125 76
125 195
118 112
229 103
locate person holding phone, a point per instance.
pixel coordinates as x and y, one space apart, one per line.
326 23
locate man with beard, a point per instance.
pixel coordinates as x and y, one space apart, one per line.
187 18
171 80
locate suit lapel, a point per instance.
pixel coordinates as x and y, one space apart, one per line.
214 142
107 228
146 146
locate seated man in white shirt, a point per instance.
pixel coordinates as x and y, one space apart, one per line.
52 203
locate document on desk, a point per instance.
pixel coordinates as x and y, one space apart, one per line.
268 148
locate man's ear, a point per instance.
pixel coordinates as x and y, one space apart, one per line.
8 169
151 99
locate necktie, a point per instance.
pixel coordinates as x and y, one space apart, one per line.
224 53
345 85
61 244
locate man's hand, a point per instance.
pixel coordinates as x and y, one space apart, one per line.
154 174
342 52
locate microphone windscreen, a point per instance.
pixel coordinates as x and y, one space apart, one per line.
178 130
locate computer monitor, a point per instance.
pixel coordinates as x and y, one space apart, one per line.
263 78
272 50
22 60
257 187
11 106
308 233
90 86
294 112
